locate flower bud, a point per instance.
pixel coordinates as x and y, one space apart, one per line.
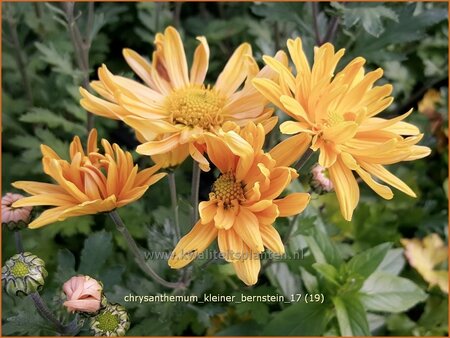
320 182
14 218
84 294
113 320
23 274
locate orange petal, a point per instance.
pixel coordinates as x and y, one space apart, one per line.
292 204
247 227
271 239
230 245
35 188
346 188
207 211
383 174
175 58
234 72
219 153
225 217
270 90
243 150
159 147
200 62
291 149
139 65
47 217
192 244
341 132
198 156
248 269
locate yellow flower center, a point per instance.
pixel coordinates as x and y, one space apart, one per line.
196 106
226 189
20 269
107 321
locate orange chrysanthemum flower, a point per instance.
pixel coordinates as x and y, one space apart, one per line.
338 113
90 183
171 112
244 201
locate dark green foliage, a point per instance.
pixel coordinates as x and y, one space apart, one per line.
357 267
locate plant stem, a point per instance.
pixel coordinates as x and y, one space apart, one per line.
81 46
18 240
45 312
138 254
177 14
302 161
20 58
291 227
39 303
315 10
194 191
332 29
174 200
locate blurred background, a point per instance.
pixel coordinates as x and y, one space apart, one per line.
42 67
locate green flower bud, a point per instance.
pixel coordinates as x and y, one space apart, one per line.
23 273
113 320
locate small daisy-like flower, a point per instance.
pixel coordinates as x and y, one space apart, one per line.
171 112
23 274
113 320
91 182
244 201
14 218
338 112
320 180
83 293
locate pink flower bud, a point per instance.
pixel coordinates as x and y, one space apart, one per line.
14 218
320 180
83 294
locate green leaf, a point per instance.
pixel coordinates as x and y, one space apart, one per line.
389 293
409 27
285 280
309 280
48 138
300 319
322 248
393 262
328 271
351 316
51 120
26 322
97 248
401 324
366 262
60 63
66 265
369 15
242 329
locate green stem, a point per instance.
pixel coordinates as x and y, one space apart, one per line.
40 305
194 191
138 254
45 312
302 161
20 57
291 227
81 47
174 200
18 240
315 11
